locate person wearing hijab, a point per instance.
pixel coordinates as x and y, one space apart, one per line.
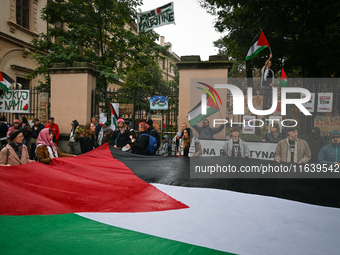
191 146
47 150
15 153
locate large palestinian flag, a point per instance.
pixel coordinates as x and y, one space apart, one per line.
258 44
96 204
5 81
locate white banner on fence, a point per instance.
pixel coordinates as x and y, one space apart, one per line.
310 104
15 101
258 150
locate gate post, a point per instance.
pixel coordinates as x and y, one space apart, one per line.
192 67
71 94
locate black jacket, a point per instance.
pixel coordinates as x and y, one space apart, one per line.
140 145
120 139
87 144
154 133
4 129
315 144
35 132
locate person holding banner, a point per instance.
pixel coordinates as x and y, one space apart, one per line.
235 147
292 149
15 152
191 146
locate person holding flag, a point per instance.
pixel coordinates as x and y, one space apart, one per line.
267 82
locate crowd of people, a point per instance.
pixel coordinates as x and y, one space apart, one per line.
43 141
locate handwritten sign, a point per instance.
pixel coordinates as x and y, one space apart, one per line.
15 101
327 124
158 17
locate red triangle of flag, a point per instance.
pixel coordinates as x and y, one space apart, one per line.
262 40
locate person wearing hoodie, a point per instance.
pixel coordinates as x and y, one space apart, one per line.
165 147
331 152
206 132
315 143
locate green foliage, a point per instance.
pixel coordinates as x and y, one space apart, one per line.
94 31
306 33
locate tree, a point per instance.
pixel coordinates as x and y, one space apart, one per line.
306 33
94 31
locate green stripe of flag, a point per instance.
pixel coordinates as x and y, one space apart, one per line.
256 52
73 234
199 117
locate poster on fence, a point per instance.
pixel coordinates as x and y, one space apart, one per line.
15 101
247 129
43 107
325 101
159 103
327 124
310 104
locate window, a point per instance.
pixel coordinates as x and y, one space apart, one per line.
22 11
24 82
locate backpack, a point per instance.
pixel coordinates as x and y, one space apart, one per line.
152 146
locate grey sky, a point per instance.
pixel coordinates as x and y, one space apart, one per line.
193 33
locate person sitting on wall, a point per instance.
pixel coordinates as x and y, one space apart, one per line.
235 147
121 136
46 149
15 152
206 132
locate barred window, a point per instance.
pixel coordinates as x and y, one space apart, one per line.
22 11
24 82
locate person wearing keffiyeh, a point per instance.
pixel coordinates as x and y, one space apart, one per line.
105 134
47 150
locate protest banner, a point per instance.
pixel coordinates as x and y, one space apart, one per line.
158 17
43 107
327 124
15 101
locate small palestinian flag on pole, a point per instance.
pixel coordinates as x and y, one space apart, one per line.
283 80
114 115
258 44
5 81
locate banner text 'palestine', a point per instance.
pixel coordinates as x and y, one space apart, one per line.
158 17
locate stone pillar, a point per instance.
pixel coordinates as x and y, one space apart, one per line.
192 67
71 94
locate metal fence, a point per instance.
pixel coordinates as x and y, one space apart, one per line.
140 99
305 123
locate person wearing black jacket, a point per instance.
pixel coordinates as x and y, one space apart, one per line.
3 130
37 127
88 143
315 143
121 136
153 132
140 145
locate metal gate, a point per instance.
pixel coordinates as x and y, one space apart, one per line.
140 99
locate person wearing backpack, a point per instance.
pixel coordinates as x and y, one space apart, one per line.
140 145
154 133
